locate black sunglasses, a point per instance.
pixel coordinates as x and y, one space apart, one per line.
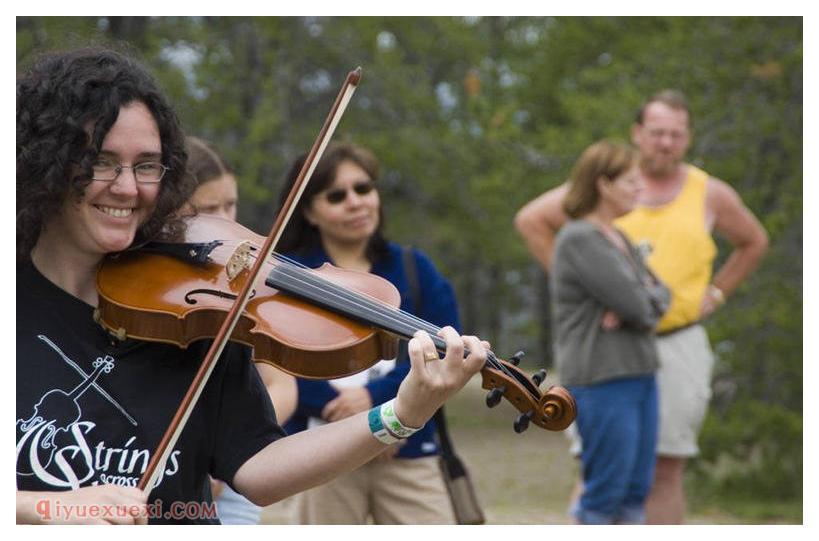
338 195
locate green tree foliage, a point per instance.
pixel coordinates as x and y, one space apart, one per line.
473 117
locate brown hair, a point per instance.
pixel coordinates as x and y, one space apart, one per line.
670 97
205 163
606 158
300 236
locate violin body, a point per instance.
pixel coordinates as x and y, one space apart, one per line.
162 298
320 323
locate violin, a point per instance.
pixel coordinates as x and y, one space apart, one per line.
323 323
314 323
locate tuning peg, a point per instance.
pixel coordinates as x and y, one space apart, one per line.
515 359
494 396
522 421
539 376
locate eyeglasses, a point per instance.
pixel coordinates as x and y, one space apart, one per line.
338 195
145 172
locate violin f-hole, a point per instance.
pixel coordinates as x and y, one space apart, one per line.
215 292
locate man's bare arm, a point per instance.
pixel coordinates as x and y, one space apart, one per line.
734 221
538 222
312 457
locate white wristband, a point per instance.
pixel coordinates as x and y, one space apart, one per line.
393 424
377 427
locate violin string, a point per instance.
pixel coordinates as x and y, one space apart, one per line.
376 306
357 299
357 296
304 276
407 322
407 325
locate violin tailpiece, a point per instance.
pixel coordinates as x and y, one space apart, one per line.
197 253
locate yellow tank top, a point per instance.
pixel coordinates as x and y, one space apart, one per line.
682 250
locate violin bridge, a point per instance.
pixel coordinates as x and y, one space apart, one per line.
239 260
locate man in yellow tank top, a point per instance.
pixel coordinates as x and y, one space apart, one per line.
680 207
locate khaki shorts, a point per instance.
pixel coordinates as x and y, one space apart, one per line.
684 382
396 491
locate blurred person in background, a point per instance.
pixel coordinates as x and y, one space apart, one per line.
605 304
216 194
678 210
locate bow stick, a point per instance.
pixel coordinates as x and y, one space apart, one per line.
169 439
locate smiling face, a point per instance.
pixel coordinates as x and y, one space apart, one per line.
353 219
109 213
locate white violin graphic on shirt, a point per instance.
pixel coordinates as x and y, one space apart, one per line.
56 411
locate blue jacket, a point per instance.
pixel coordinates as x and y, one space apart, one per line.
437 306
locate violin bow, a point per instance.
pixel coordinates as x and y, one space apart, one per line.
160 456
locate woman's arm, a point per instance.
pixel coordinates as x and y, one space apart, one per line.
599 268
298 462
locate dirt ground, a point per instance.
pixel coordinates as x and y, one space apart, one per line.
520 478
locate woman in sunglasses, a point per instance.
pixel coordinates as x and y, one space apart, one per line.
340 220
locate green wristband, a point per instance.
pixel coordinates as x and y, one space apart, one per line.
377 427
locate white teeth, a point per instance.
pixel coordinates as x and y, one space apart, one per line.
115 212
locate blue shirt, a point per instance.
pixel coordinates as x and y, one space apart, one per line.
437 305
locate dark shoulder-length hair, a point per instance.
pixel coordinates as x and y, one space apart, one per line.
66 104
607 159
300 236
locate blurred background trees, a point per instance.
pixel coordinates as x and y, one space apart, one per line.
472 117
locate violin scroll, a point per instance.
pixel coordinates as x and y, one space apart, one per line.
553 410
559 407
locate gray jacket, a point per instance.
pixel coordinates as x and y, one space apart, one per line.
589 276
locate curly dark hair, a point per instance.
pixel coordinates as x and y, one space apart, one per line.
60 99
300 236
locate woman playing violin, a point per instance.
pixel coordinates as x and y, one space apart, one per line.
340 220
101 166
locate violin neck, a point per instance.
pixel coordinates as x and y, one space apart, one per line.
310 287
306 285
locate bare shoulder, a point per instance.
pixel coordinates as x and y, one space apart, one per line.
728 213
721 197
547 207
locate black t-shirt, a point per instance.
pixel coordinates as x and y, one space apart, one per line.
91 409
